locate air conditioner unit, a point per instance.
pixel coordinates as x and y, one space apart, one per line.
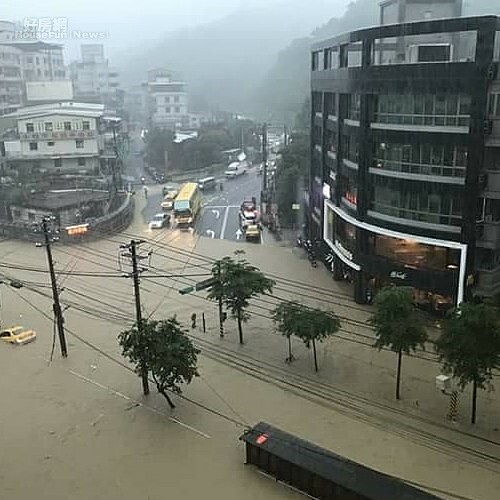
482 180
487 127
491 72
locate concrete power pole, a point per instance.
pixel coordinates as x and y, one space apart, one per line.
48 240
134 257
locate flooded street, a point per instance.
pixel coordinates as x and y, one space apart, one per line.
80 427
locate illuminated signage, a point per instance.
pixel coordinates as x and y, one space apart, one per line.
261 439
343 250
398 275
77 230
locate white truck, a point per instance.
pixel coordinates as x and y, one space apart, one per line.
235 169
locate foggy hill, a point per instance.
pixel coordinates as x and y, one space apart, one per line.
284 89
224 61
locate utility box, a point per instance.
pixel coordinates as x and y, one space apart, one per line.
443 383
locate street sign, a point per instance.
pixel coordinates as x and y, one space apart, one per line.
295 206
202 285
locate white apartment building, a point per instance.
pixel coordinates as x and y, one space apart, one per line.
58 138
94 80
167 100
24 61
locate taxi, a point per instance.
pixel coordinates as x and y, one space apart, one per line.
252 232
17 335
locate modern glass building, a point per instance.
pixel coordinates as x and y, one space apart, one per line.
405 156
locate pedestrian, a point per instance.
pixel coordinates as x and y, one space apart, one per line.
221 187
146 192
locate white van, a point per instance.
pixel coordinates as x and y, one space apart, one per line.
235 169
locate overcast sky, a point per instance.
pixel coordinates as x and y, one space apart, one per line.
125 22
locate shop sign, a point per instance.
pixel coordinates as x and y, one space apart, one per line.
343 250
398 275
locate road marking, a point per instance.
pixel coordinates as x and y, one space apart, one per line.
224 223
238 233
211 233
138 403
261 237
216 213
221 206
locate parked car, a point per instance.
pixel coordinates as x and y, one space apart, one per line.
159 221
17 335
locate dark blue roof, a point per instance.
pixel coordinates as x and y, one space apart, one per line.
335 468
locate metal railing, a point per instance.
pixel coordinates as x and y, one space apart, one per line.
420 119
417 215
419 168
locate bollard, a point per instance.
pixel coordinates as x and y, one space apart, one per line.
203 321
193 320
453 410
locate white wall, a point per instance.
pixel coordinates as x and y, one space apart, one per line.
49 90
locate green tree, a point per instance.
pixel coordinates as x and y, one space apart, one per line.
165 351
291 175
469 347
157 142
310 324
237 282
397 324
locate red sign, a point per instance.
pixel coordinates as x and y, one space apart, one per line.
261 439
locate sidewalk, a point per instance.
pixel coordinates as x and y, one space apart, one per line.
344 360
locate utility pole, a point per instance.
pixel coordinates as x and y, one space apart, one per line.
134 257
48 240
264 157
221 314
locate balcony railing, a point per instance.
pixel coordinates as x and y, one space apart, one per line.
419 119
419 168
417 215
59 134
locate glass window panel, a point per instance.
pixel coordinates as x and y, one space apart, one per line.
452 105
418 104
457 206
415 154
448 155
491 104
426 154
464 105
429 105
434 203
406 153
440 104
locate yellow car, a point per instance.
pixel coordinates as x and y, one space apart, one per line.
252 232
17 335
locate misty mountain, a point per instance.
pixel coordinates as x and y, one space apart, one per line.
284 89
223 61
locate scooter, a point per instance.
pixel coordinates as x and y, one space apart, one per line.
311 253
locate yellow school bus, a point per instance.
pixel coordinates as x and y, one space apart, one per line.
187 205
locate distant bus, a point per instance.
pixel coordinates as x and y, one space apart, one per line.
207 183
187 205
